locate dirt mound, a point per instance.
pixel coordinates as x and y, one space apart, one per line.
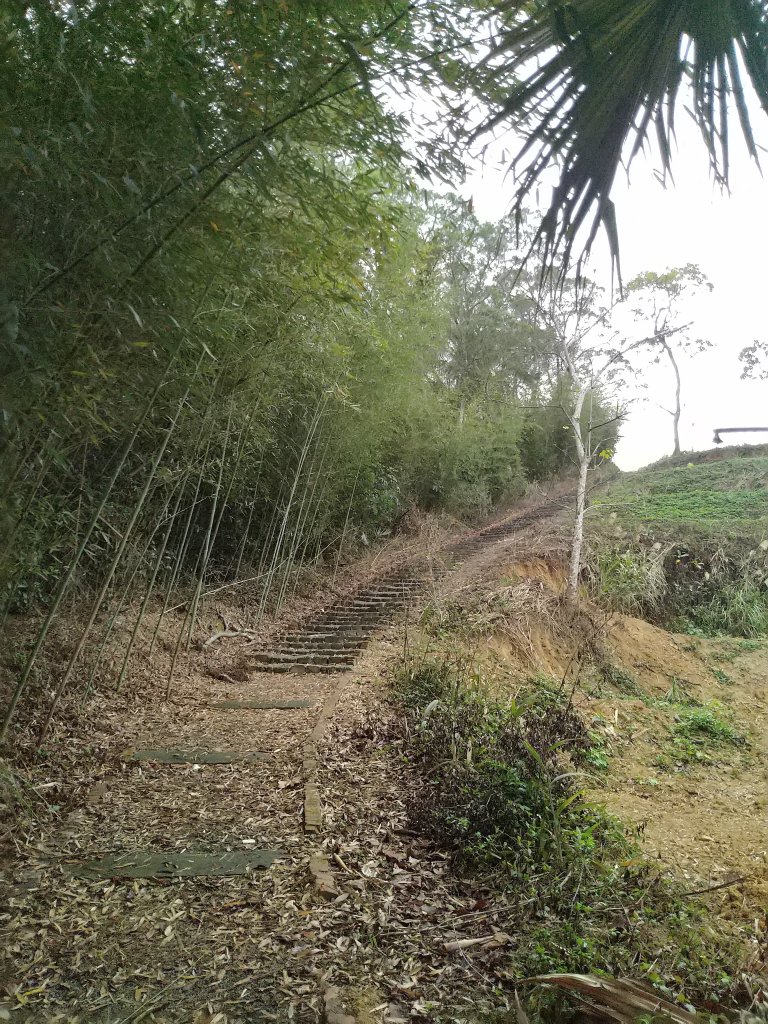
698 805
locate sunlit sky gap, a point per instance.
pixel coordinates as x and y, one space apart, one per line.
687 220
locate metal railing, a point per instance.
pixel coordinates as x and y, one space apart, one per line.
737 430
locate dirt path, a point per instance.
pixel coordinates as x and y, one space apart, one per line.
210 948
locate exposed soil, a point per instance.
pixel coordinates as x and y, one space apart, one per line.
399 933
705 821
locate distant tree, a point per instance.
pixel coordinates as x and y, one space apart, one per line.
493 347
754 361
593 359
659 297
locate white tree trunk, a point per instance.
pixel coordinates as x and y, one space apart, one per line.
584 453
678 406
577 538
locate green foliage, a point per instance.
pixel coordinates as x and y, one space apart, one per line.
699 507
497 788
624 683
722 677
699 730
631 581
712 493
497 794
707 571
235 336
587 86
735 609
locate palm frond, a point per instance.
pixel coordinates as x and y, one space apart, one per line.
589 82
617 1000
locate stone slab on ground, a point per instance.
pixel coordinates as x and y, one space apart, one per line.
196 756
322 876
313 809
262 705
168 864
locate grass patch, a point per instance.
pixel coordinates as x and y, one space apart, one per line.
696 507
624 683
500 790
733 647
720 493
686 546
722 677
700 730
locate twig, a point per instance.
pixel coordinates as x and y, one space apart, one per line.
714 888
226 633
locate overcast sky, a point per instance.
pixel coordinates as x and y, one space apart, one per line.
689 221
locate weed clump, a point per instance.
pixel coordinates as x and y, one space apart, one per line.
697 560
698 589
498 788
698 729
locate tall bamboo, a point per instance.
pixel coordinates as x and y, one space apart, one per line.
114 563
66 579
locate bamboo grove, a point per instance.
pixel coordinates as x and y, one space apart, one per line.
235 336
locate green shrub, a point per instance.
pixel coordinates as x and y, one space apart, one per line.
700 590
493 785
737 609
631 581
497 790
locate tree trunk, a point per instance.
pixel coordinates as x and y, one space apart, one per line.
584 452
677 409
577 539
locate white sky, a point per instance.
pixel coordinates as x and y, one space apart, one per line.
688 222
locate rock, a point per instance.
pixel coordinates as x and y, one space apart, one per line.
333 1008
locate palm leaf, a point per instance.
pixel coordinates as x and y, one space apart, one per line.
589 82
617 1000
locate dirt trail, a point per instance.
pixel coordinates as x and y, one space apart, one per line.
106 949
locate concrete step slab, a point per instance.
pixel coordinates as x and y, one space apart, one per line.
170 864
262 705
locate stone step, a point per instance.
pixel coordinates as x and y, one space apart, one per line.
275 656
296 666
320 649
170 864
389 592
340 635
196 756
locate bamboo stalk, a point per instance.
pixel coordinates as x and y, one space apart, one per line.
189 616
66 579
185 532
210 535
289 506
305 534
344 530
151 584
121 601
114 563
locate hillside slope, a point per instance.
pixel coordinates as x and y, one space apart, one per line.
685 542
